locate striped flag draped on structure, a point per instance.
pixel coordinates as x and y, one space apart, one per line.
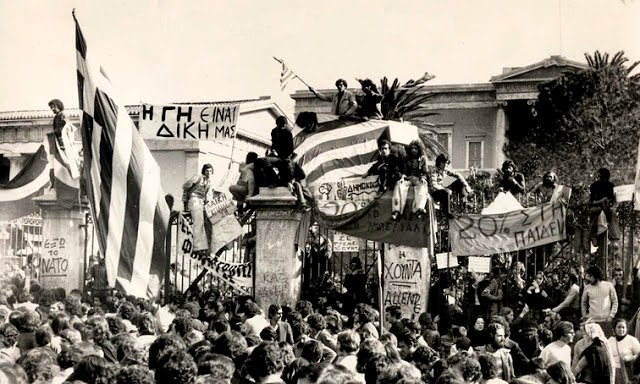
16 197
131 221
286 74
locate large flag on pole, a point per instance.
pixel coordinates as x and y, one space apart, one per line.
286 74
131 220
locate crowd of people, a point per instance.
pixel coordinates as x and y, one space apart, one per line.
53 336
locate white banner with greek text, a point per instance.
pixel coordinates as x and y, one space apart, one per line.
237 275
507 232
212 122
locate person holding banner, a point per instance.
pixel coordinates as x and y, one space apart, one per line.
196 193
549 190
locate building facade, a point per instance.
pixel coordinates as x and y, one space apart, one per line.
22 132
472 119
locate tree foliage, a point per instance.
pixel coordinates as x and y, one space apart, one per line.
584 120
407 103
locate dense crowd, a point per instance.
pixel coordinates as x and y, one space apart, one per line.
51 336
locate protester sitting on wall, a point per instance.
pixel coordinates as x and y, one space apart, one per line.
245 186
415 174
389 167
442 193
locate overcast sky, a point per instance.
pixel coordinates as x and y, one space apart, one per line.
176 51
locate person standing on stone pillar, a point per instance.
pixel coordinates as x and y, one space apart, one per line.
62 141
196 193
59 120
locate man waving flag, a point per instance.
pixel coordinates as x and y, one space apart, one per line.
122 181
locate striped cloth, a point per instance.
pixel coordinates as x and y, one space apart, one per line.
131 221
16 196
339 149
286 75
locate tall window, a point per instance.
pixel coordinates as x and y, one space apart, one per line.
444 139
475 156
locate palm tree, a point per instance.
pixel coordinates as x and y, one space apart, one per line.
407 103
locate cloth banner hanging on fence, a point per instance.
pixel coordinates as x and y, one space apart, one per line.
237 275
211 122
507 232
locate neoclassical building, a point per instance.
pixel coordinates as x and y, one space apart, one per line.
22 132
472 118
471 123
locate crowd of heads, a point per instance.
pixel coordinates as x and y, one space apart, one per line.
53 336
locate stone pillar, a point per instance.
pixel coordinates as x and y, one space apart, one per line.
501 133
62 261
16 164
277 268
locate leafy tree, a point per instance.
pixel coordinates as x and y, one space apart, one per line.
585 120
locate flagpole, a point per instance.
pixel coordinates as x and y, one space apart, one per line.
297 77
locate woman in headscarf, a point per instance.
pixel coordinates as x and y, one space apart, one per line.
625 350
596 363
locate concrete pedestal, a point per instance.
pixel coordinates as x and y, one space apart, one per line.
62 252
277 277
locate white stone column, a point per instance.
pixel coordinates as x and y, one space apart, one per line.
16 164
501 131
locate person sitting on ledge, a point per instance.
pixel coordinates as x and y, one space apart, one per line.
415 166
389 167
442 193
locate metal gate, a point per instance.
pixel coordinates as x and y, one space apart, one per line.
21 244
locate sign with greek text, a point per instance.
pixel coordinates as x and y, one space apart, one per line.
220 206
345 243
212 122
480 264
507 232
405 275
237 275
624 192
446 260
